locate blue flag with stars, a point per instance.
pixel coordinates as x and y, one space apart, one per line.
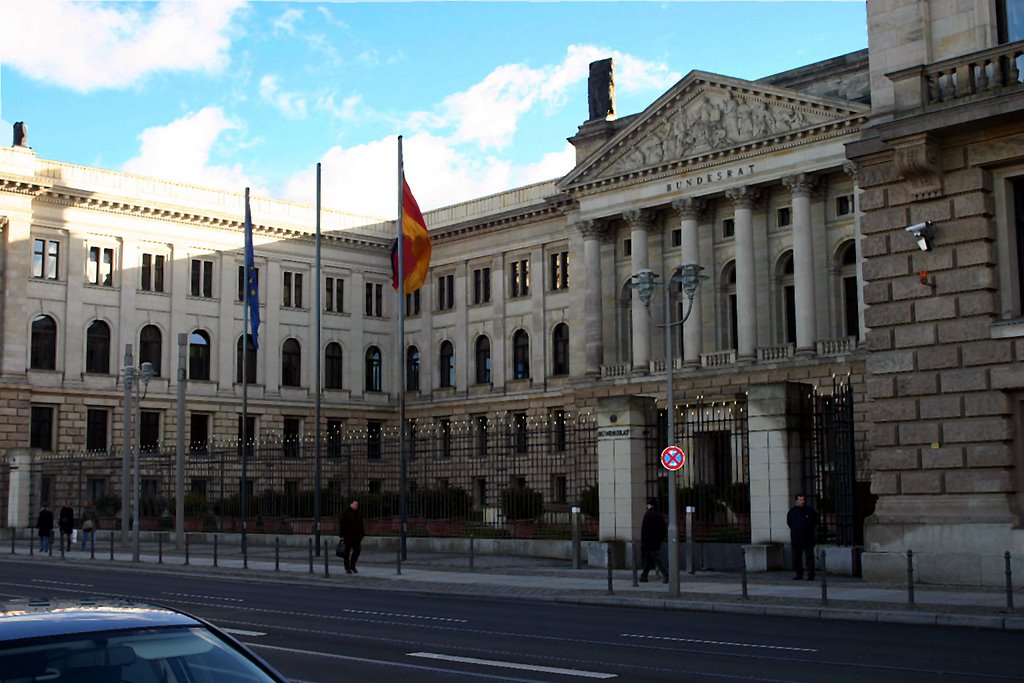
252 289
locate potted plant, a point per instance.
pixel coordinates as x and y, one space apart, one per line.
590 505
445 509
521 506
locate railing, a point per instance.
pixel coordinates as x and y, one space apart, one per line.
619 370
766 354
837 347
718 359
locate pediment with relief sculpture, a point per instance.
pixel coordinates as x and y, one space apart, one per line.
708 116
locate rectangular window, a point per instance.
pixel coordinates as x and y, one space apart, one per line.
412 303
445 292
560 270
152 279
202 278
45 259
241 281
677 237
96 424
521 440
482 285
374 300
335 431
729 227
373 434
783 216
844 205
291 436
101 267
199 427
519 278
558 432
480 434
560 488
292 290
445 432
149 431
41 428
627 247
334 295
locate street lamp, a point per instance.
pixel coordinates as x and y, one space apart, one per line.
644 281
138 379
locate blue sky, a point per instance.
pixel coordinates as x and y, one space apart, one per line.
225 93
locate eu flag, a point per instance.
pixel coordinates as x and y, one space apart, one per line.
252 290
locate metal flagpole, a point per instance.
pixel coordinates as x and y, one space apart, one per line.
403 503
245 369
319 355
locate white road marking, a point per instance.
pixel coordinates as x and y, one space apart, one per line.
61 583
513 665
718 642
241 632
202 597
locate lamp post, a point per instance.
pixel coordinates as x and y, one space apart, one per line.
137 379
644 281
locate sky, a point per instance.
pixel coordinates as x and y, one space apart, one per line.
231 94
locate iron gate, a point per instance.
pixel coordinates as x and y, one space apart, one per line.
828 470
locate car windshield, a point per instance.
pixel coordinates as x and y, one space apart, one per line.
172 655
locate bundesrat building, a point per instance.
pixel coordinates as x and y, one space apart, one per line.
842 246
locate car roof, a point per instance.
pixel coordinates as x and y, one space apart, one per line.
21 619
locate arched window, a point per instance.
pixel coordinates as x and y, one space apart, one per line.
520 355
483 360
729 320
560 350
446 364
412 369
44 343
787 298
850 289
97 348
332 366
199 355
250 360
151 347
291 363
374 374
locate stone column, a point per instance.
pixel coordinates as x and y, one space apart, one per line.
592 326
17 321
639 223
852 170
746 286
690 211
800 187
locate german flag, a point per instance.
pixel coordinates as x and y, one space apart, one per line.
416 248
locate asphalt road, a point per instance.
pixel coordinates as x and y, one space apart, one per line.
319 633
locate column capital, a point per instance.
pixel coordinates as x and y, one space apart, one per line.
692 207
800 184
743 197
639 219
590 229
852 169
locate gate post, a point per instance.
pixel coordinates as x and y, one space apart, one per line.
19 493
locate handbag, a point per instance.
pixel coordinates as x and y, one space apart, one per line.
340 550
87 525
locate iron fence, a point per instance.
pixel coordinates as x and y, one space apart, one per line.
499 475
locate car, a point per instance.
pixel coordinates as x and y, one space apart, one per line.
119 641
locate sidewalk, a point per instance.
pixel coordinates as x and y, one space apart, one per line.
771 593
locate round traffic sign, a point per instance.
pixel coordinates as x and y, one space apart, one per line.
673 458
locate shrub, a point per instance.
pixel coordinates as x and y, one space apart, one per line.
441 503
703 497
107 506
589 501
738 497
521 502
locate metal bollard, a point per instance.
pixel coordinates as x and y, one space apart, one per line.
188 549
111 546
310 554
92 546
13 538
31 545
327 555
277 553
245 549
215 550
576 540
824 579
1009 582
61 547
743 571
398 558
159 548
910 577
608 558
635 553
51 545
472 552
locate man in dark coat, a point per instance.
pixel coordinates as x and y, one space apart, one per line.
352 531
803 523
652 534
45 527
66 522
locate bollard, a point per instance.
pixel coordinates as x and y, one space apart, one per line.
690 542
13 538
215 550
277 553
743 571
51 545
635 554
576 538
310 554
910 577
159 548
608 557
327 555
111 546
398 558
1009 582
92 546
245 548
188 543
472 552
824 579
61 548
31 545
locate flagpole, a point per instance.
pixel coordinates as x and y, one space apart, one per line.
403 507
319 354
245 369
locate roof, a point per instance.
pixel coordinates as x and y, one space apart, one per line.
21 619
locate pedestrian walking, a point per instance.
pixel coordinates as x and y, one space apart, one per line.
89 522
352 531
66 522
803 525
652 534
44 526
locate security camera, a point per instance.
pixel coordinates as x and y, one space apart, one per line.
923 233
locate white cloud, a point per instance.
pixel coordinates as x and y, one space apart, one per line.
286 22
292 105
348 110
92 46
180 151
